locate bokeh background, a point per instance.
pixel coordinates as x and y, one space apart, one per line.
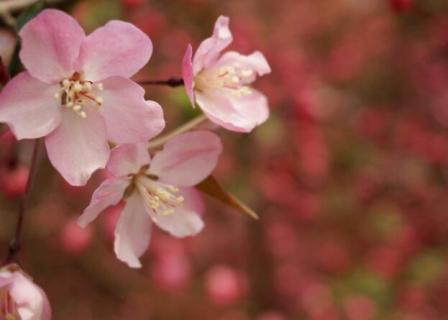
349 175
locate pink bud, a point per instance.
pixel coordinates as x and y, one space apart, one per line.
171 270
223 285
75 239
13 181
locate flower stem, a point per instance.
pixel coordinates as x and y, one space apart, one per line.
171 82
15 244
184 128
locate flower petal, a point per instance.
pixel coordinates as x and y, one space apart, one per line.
116 49
50 45
193 200
235 113
219 109
182 223
255 62
133 232
109 193
187 159
187 73
128 117
29 107
78 147
128 158
210 48
30 300
253 106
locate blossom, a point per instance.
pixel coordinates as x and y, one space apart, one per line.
76 92
20 298
152 190
219 84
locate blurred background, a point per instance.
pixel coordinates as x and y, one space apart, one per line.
349 174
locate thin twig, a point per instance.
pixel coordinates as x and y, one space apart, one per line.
15 244
171 82
184 128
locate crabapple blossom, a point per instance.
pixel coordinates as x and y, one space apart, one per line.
152 190
220 84
76 92
20 298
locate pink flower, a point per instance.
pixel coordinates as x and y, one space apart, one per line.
150 188
20 298
219 84
76 92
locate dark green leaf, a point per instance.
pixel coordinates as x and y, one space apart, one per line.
24 17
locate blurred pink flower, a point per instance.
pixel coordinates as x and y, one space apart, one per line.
150 190
76 92
171 270
75 239
20 297
13 181
219 84
224 285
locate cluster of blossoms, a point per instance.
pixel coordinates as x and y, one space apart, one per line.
77 94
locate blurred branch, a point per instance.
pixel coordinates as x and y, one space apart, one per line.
4 76
14 246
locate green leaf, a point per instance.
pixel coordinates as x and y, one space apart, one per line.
212 188
29 14
24 17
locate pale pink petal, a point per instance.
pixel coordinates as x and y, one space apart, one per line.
128 158
181 223
210 49
128 117
253 106
133 232
109 193
187 73
116 49
187 159
220 109
78 147
193 200
254 62
29 107
30 300
50 45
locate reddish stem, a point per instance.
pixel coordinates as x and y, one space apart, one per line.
15 244
171 82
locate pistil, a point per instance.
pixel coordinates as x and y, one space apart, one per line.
75 93
161 198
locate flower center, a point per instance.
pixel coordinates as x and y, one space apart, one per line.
162 198
233 78
75 93
8 310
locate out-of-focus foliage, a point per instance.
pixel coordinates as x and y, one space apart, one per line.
349 175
